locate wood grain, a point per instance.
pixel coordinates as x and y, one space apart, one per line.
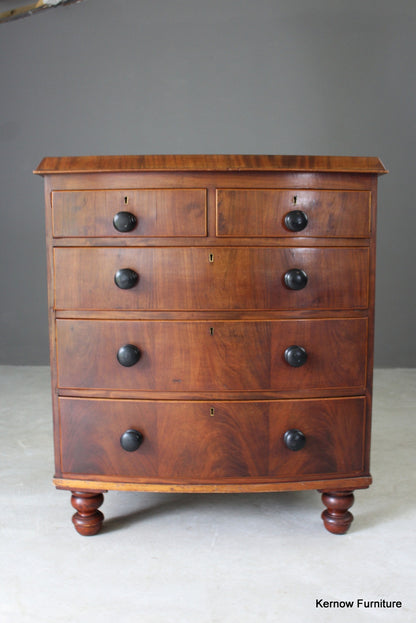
159 212
237 485
201 162
209 356
184 278
261 212
204 441
212 393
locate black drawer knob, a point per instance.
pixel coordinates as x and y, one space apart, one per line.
296 220
131 440
124 221
126 278
128 355
294 439
295 356
296 279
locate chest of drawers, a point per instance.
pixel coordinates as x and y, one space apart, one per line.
211 325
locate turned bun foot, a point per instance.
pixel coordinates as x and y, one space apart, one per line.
337 518
87 520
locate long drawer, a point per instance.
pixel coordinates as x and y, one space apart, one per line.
204 441
191 278
283 213
153 212
207 355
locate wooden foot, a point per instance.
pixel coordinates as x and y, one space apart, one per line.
87 520
337 518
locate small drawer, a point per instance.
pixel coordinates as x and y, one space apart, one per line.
130 213
198 356
207 441
186 278
285 213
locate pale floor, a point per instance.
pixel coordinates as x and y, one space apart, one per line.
163 558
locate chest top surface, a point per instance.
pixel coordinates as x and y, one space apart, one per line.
211 162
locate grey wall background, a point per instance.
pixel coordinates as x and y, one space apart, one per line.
332 77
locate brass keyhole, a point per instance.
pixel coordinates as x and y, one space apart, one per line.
212 411
295 200
126 200
211 330
211 257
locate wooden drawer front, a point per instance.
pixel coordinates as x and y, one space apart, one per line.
262 213
173 278
204 441
165 212
211 356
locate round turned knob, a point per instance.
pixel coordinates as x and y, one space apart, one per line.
124 221
295 356
296 279
131 440
126 278
296 220
294 439
128 355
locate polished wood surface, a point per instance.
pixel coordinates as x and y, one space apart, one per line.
163 212
207 356
261 212
88 519
192 278
212 441
337 518
212 315
203 162
237 485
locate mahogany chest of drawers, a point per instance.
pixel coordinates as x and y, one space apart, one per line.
211 325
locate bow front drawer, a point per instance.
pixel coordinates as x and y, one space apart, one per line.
175 356
207 441
191 278
126 213
270 212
